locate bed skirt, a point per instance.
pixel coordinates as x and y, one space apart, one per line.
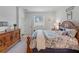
55 50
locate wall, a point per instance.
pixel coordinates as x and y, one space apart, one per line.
49 18
62 16
76 15
8 13
22 21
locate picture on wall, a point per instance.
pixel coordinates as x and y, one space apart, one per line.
38 19
69 15
3 23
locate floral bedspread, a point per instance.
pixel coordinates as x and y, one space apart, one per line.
57 42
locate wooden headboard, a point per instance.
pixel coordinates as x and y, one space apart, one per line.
71 25
68 24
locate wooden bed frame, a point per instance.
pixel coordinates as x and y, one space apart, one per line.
69 25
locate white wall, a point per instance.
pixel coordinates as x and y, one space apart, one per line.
61 15
49 18
8 13
76 15
22 23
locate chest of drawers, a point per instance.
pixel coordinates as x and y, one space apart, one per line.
8 39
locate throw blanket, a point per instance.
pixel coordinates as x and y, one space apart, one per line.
38 41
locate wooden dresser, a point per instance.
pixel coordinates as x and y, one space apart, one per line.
9 39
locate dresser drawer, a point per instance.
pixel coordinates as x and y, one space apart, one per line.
8 39
3 45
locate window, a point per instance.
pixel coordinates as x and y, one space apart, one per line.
38 21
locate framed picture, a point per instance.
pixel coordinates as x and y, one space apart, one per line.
3 23
70 8
69 15
38 19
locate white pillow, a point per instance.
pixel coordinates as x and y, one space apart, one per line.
71 32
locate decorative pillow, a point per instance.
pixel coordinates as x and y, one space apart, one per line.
60 32
71 32
34 35
65 33
62 28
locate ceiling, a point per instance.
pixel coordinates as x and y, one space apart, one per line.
42 8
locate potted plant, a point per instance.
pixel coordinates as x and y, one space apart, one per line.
15 25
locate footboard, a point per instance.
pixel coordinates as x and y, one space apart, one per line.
29 50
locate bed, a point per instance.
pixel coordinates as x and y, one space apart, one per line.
45 41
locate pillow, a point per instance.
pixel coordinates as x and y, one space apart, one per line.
71 32
65 33
62 28
60 32
34 35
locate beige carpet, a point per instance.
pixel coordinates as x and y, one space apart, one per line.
20 47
